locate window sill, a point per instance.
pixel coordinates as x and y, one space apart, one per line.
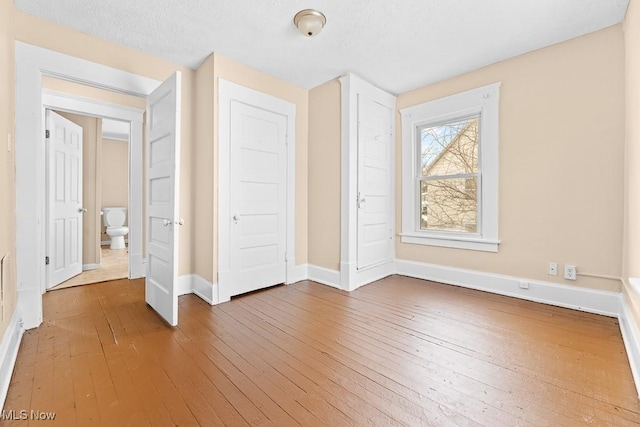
458 242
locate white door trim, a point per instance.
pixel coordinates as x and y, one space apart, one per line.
61 101
228 91
350 277
32 63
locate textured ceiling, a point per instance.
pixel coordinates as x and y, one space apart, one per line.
397 45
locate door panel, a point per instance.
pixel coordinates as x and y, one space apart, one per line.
64 235
163 169
374 183
258 198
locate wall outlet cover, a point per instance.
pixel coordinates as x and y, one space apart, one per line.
570 272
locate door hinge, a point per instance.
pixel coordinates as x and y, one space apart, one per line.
46 133
46 260
285 256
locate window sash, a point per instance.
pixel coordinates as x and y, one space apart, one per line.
419 178
476 113
418 210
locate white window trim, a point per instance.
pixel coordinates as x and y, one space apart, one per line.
483 101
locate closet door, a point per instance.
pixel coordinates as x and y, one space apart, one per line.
374 183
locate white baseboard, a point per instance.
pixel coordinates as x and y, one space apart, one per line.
195 284
301 272
185 284
108 242
631 340
206 290
9 353
324 276
583 299
88 267
351 278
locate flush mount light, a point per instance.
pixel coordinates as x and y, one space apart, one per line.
309 22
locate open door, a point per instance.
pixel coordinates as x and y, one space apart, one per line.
162 180
65 210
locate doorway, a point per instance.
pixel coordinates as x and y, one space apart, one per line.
367 248
102 206
32 64
256 190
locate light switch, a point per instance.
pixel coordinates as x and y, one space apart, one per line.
9 142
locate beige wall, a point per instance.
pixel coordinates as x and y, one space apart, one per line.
91 177
324 175
40 32
216 66
7 161
114 182
204 262
115 173
631 253
561 157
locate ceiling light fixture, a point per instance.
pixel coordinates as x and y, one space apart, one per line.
309 22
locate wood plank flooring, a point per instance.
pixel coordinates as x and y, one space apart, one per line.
400 351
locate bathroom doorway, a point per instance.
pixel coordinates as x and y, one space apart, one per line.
102 225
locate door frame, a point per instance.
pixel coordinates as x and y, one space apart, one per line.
33 62
227 92
61 101
350 276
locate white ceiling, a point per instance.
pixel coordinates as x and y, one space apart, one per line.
398 45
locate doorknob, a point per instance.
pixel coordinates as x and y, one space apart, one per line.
82 210
236 218
180 222
360 201
166 222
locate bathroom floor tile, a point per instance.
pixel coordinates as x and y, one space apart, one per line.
114 265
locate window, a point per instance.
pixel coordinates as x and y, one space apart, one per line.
450 171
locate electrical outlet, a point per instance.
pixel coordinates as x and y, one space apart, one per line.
570 272
523 285
552 269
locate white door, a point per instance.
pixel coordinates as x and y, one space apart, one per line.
65 210
258 191
162 173
374 183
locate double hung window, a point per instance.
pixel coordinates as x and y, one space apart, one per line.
450 171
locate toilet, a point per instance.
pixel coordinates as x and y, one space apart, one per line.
114 219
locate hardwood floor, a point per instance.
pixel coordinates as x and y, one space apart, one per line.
400 351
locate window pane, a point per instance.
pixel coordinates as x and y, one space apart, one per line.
450 148
449 204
